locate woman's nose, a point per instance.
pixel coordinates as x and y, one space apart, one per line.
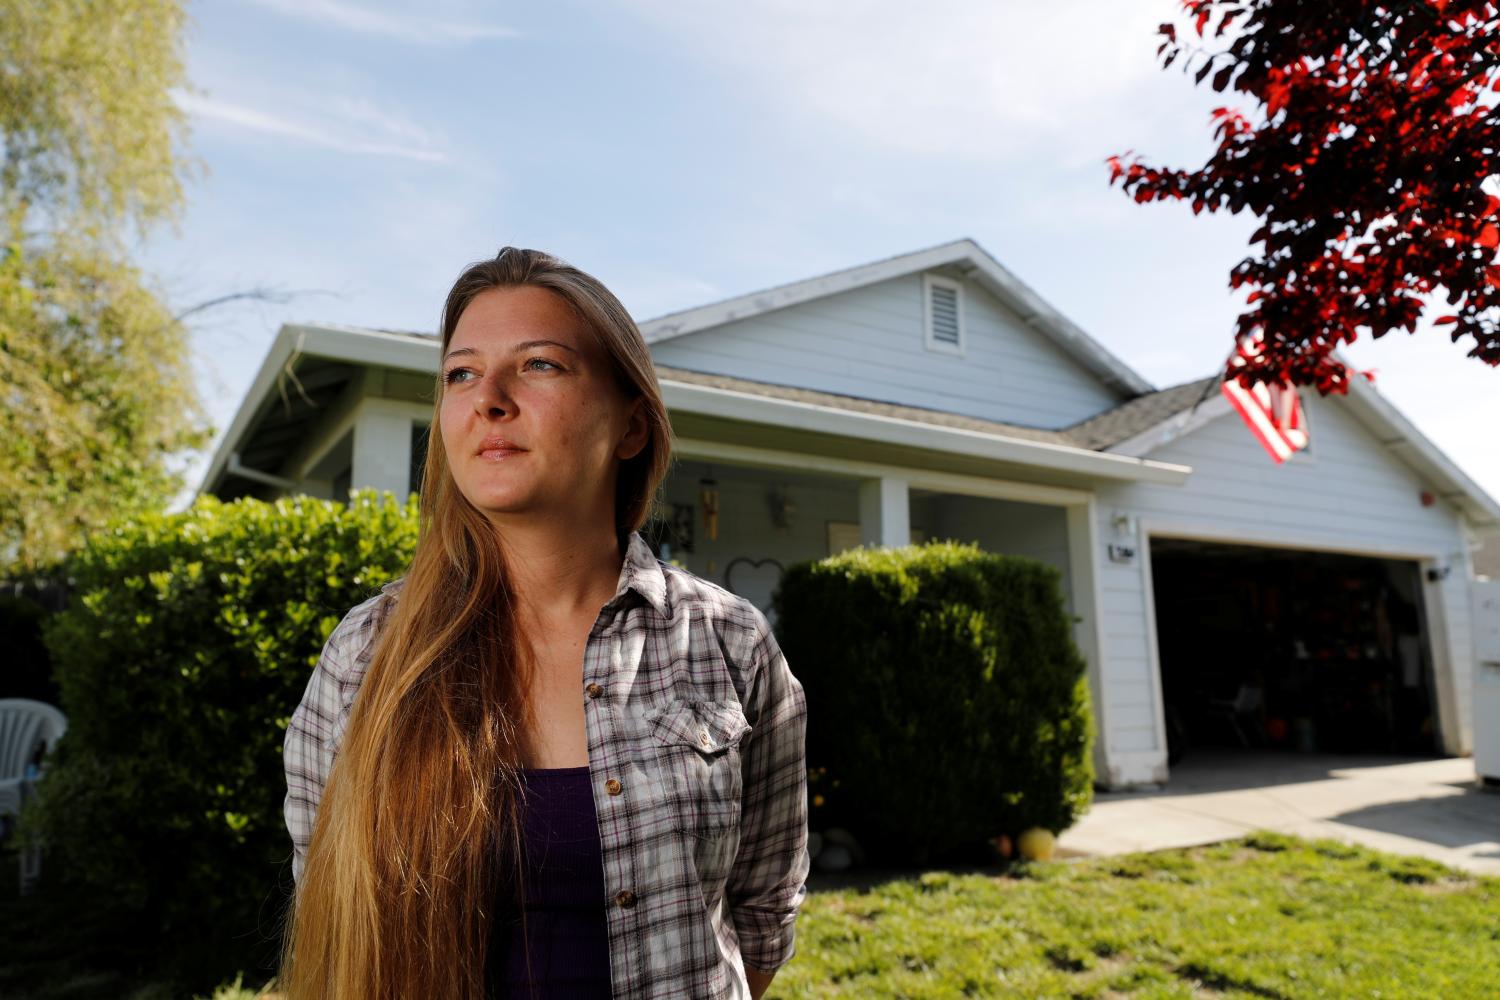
492 396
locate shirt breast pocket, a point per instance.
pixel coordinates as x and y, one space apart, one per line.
698 749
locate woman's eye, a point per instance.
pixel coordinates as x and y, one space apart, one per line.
456 375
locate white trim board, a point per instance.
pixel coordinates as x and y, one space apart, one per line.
1276 538
704 450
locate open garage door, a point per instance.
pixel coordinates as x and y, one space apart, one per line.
1291 649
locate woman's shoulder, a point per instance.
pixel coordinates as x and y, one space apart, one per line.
352 640
684 587
739 623
370 614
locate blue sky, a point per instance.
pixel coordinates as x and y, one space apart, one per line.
361 153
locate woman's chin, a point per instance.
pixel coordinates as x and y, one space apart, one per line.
499 501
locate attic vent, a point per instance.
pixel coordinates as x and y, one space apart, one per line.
944 314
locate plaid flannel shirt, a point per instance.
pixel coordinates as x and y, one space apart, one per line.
690 706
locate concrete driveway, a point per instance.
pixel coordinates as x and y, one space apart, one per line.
1430 806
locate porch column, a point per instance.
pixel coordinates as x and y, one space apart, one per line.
382 447
1084 602
884 512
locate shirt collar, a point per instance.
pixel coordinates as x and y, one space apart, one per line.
641 571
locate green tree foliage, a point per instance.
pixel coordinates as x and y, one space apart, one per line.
188 641
95 371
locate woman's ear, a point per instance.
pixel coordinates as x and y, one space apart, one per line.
637 431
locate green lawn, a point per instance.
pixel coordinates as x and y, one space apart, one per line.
1266 916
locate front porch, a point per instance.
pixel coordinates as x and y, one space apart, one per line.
776 508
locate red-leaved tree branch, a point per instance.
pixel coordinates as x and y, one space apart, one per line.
1374 163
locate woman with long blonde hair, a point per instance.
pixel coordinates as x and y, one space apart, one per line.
572 769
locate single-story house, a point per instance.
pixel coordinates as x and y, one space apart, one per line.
1328 602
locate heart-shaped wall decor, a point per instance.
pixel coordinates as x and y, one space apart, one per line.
753 579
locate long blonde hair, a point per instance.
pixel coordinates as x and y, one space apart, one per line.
404 873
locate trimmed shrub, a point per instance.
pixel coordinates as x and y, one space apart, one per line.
947 700
187 643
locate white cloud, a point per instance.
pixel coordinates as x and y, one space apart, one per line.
420 29
344 124
947 77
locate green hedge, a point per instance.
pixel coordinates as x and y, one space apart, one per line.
945 694
186 645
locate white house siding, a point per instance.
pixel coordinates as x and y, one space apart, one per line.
868 342
1004 526
1350 495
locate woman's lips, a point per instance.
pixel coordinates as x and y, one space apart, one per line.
496 454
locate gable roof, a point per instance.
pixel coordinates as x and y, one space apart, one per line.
965 255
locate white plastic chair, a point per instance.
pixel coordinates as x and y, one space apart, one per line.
25 726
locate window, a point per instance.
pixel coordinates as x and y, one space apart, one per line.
943 314
418 456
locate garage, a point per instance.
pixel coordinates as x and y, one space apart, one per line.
1295 650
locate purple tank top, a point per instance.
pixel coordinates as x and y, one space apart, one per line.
565 906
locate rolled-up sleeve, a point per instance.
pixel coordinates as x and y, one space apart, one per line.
307 752
768 881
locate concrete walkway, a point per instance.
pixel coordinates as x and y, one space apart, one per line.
1429 806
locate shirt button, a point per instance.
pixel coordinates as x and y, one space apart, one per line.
594 690
703 736
625 898
612 786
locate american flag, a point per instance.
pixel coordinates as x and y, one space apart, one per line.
1272 412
